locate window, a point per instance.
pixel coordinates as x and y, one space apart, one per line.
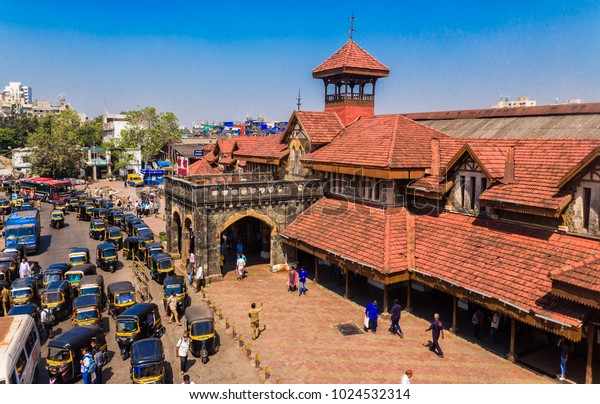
587 197
483 185
473 193
461 184
30 343
21 362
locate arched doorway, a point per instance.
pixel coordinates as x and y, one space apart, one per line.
177 232
188 237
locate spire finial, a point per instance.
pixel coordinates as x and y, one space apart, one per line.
351 19
298 99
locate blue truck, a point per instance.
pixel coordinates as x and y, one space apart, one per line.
22 230
153 177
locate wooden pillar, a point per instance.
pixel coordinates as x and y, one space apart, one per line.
385 298
316 269
408 296
347 293
511 351
454 310
591 339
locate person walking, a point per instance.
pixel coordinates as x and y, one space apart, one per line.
193 260
24 268
5 301
477 321
406 377
240 266
254 321
47 320
436 330
199 278
86 366
172 303
186 380
395 317
292 279
372 311
302 276
181 350
495 324
565 347
99 359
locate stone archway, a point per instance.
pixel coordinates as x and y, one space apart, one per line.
188 235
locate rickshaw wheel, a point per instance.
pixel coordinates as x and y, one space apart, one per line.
123 355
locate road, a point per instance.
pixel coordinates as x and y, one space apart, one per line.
227 366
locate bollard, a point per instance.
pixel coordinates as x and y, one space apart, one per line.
248 350
267 372
256 360
241 341
233 332
208 299
277 381
220 314
226 322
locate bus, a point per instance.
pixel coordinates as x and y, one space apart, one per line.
20 350
22 229
46 189
153 177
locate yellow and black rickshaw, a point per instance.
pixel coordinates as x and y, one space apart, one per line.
153 248
148 362
64 352
132 221
55 272
79 256
123 221
93 285
120 296
112 216
97 229
76 273
5 274
176 283
84 212
134 247
17 204
58 296
11 261
59 205
200 325
161 266
5 206
24 291
142 320
57 219
87 310
71 204
106 257
114 235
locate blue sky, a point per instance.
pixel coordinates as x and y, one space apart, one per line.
222 60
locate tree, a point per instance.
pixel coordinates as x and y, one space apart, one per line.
57 148
14 131
90 132
149 130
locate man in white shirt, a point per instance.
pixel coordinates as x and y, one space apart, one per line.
24 269
240 265
199 278
406 377
182 349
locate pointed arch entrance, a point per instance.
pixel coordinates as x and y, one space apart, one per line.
177 232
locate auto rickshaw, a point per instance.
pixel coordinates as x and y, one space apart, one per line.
64 352
11 261
107 204
148 362
96 201
58 296
71 204
130 223
18 203
74 275
106 257
161 266
200 325
5 206
55 272
97 229
87 310
114 235
84 212
99 213
79 256
123 222
142 320
59 205
176 283
5 274
142 229
112 215
120 296
133 247
152 248
24 291
93 285
57 219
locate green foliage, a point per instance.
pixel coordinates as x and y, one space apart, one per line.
57 147
150 130
14 131
90 132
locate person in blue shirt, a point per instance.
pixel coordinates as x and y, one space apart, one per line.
302 275
372 312
436 331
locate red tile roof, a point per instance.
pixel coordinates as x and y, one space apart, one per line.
351 57
369 236
321 127
583 275
383 141
261 147
203 167
506 262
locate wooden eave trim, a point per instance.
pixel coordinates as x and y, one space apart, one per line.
350 70
572 333
466 149
367 171
262 160
585 297
532 210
